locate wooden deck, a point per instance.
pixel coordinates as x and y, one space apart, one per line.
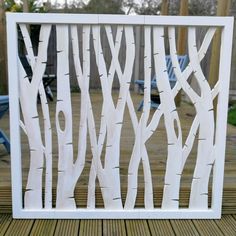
186 113
225 226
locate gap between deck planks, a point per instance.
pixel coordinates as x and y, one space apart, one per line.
225 226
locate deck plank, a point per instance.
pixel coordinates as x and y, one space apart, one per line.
227 224
114 227
19 227
5 221
43 227
137 228
184 227
160 227
90 227
207 228
67 227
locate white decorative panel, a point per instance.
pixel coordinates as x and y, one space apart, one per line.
64 142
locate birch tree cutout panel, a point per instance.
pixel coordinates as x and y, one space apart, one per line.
90 153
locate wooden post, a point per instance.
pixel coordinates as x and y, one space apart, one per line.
222 10
137 56
3 54
164 12
165 7
182 36
66 5
25 6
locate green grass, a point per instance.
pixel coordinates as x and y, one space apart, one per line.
232 116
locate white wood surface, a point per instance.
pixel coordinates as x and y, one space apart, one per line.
16 169
210 153
222 111
117 19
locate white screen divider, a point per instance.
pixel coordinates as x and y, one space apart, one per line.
39 139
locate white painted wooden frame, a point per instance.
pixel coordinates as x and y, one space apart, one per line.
167 211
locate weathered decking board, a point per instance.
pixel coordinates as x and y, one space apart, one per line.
44 227
184 227
137 228
225 226
67 227
186 113
207 227
19 227
5 221
90 227
114 227
160 227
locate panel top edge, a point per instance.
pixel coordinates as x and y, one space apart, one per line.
58 18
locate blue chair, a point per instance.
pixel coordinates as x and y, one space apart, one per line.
4 105
155 102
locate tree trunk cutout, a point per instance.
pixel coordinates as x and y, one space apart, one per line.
33 194
139 150
205 154
170 198
109 177
130 200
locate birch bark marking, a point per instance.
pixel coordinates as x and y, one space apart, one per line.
139 150
65 190
33 194
170 198
47 122
205 154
